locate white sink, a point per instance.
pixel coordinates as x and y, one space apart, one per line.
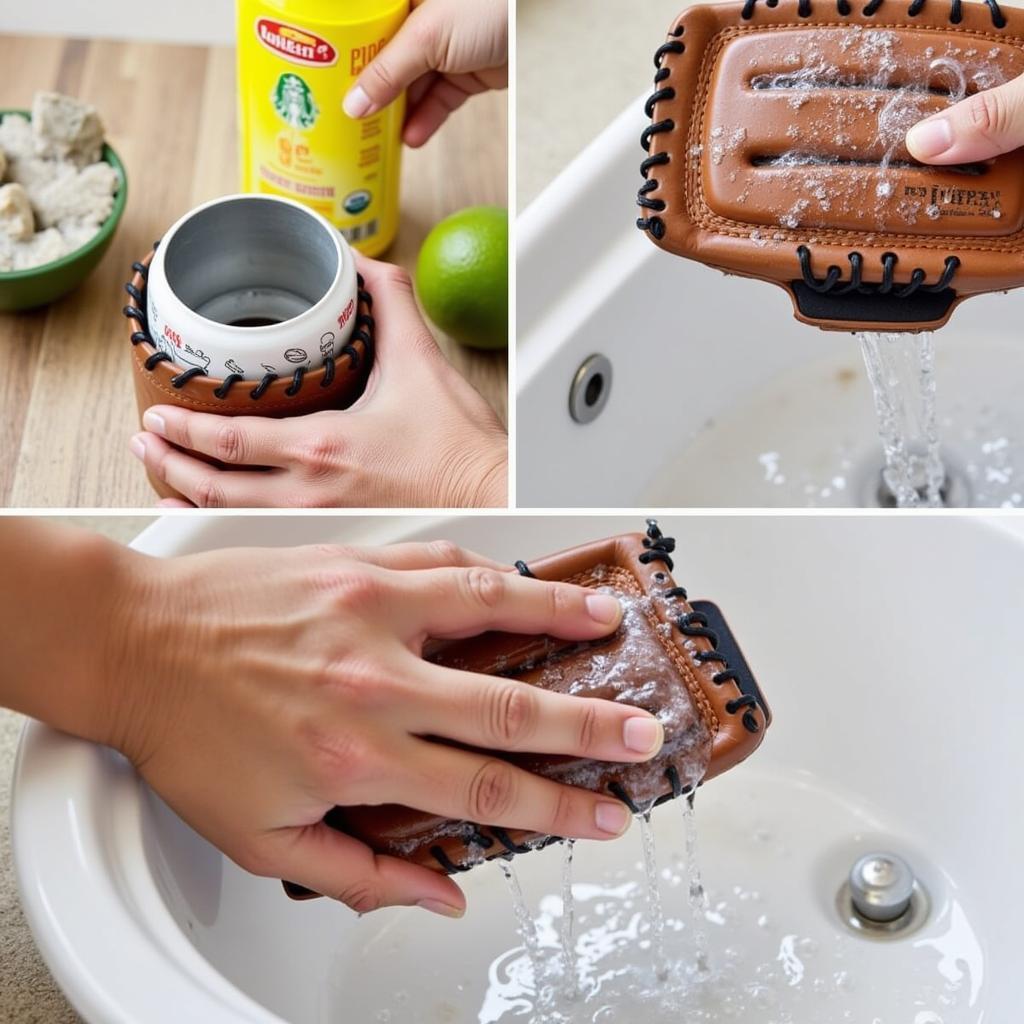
719 397
884 649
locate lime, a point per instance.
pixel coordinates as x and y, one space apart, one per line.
462 276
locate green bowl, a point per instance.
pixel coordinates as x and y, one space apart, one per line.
27 289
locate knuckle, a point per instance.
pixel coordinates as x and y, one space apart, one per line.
183 432
511 713
320 456
358 683
587 736
397 278
361 895
383 77
492 791
988 113
356 589
336 756
208 493
446 552
229 444
486 587
428 35
562 600
564 813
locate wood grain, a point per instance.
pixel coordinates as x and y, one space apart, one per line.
66 403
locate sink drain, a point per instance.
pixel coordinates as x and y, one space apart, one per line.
953 493
881 898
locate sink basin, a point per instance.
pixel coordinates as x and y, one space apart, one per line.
718 396
883 650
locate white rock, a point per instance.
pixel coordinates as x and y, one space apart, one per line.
16 137
80 198
16 220
66 128
43 247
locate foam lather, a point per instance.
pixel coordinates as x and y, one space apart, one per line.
673 657
775 150
160 381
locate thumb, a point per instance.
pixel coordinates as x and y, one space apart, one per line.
417 48
977 128
329 862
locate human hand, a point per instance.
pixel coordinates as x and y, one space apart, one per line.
447 51
254 689
419 436
977 128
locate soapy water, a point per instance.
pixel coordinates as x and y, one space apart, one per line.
901 369
775 951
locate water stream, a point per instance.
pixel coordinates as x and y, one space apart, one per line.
655 909
567 928
901 369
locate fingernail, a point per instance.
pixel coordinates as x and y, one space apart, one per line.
357 104
154 421
643 735
612 818
138 447
439 907
930 138
604 608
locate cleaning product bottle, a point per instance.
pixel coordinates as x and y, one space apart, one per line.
296 61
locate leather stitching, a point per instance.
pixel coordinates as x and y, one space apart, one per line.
625 580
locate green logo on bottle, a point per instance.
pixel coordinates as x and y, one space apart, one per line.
293 101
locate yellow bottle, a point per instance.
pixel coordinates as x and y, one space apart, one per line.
296 61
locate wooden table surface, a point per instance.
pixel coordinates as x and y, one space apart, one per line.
67 407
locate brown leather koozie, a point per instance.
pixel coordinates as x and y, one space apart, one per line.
672 657
159 381
776 151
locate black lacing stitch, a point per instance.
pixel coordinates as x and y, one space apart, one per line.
180 380
887 285
678 789
659 547
506 840
442 858
365 326
293 389
616 790
157 357
695 624
477 838
956 12
260 390
222 389
524 570
653 223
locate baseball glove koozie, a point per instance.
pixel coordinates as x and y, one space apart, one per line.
674 657
776 151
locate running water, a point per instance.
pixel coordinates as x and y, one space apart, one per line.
567 927
524 922
655 909
698 898
901 369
